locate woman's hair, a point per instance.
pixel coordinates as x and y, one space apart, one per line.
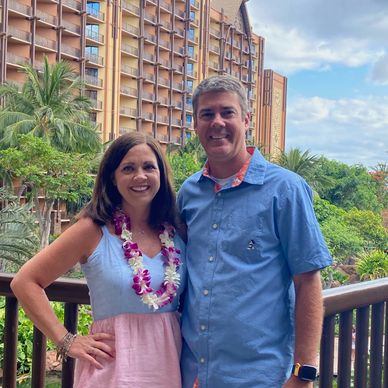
106 198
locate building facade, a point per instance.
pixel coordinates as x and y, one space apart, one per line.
142 59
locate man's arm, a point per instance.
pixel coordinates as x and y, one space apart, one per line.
308 322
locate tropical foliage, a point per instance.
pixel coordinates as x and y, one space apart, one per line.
18 232
48 175
186 161
50 106
348 186
373 265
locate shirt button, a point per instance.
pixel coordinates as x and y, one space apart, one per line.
202 360
206 292
215 226
218 194
211 258
203 327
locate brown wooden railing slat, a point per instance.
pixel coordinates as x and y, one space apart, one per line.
70 322
376 347
345 349
361 360
38 359
10 342
327 353
385 367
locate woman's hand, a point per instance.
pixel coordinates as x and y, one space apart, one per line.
89 347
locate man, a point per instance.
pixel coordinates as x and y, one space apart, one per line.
253 307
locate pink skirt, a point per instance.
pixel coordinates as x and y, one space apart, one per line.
148 348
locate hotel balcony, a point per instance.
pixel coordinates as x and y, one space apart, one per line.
70 29
70 51
94 59
17 60
93 81
131 8
93 14
95 37
45 44
72 4
129 49
128 91
130 29
19 10
45 18
129 70
128 112
16 35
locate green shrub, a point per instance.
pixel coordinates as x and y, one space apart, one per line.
372 265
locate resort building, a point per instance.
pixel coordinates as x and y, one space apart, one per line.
141 60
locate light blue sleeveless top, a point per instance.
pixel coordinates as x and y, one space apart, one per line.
109 279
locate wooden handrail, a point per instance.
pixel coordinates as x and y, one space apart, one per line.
363 305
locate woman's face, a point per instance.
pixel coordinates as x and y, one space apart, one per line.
137 177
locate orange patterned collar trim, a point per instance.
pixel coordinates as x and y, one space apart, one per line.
239 176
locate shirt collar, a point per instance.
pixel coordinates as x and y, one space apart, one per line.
252 171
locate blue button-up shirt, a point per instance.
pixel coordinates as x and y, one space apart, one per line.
244 245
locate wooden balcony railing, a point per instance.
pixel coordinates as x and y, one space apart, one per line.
363 306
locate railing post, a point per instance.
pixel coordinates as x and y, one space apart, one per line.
361 360
38 359
327 353
70 322
10 342
344 349
385 366
376 345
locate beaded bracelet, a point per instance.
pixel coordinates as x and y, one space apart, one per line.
64 346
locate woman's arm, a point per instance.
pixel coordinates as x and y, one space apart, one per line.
74 245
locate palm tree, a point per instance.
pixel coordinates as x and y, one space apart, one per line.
49 106
306 165
18 232
298 162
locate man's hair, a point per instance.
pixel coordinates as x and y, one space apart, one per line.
106 198
221 83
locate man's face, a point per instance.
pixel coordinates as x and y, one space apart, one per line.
220 127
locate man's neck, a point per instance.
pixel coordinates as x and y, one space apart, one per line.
224 169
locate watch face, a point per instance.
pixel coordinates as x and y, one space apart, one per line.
308 372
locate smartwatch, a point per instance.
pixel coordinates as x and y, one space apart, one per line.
304 372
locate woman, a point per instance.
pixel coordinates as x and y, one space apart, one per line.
131 257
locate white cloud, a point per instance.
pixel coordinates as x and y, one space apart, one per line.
321 36
311 34
349 130
379 72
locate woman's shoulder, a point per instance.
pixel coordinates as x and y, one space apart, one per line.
85 232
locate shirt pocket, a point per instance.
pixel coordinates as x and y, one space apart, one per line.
243 236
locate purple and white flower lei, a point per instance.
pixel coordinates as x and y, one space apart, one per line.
141 275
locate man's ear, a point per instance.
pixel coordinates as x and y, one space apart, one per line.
247 121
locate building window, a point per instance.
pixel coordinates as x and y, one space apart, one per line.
190 68
91 50
192 16
93 9
92 31
91 71
189 120
190 51
189 85
191 33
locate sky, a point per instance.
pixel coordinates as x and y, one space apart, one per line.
335 57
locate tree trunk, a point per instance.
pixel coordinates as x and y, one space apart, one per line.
43 214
